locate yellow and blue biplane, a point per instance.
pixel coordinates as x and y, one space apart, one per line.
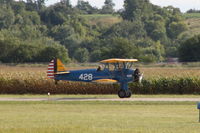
111 71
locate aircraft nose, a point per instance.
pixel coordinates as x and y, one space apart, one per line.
137 76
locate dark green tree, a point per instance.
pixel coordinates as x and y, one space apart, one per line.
136 9
127 29
176 28
108 7
85 7
121 48
7 17
81 55
189 51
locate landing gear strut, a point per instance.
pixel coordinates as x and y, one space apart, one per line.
124 93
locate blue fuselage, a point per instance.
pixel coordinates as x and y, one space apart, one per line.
89 75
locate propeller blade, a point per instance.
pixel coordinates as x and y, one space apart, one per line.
140 78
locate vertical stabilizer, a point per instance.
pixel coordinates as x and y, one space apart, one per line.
55 67
60 66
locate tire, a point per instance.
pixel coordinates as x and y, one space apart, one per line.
128 93
121 93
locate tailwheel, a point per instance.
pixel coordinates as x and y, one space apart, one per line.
122 93
128 93
56 82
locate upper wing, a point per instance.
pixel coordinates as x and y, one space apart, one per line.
115 60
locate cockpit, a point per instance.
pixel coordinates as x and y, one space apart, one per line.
115 66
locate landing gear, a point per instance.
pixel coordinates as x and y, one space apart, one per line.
128 93
124 94
56 82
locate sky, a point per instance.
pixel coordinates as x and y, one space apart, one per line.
184 5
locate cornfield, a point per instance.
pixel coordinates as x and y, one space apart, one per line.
33 80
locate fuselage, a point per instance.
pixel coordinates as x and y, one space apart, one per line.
89 75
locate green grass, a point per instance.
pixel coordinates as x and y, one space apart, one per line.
193 22
98 117
103 19
191 15
99 16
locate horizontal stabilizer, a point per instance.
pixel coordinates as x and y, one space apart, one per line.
60 73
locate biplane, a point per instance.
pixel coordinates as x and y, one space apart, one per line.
110 71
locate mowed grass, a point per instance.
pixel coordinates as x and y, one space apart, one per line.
193 22
99 117
191 15
193 26
103 19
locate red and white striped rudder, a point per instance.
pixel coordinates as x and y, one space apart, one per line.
51 68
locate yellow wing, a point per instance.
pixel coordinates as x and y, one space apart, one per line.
115 60
105 81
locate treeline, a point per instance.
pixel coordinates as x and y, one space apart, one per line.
32 32
193 11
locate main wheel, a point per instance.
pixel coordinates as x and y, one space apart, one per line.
128 93
122 93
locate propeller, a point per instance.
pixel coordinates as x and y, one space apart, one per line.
137 76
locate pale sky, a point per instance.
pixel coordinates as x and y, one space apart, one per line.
184 5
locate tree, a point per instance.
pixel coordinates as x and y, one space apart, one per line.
121 48
7 17
25 53
127 29
57 14
85 7
136 9
66 2
189 51
40 4
53 51
18 7
8 45
108 7
176 28
81 55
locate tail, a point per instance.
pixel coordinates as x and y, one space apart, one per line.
55 67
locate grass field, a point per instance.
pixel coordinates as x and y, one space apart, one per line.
191 15
103 19
99 117
193 22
